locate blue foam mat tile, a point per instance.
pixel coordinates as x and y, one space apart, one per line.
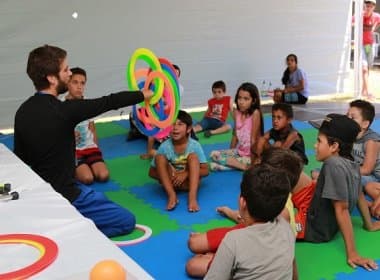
226 185
359 273
163 261
310 153
355 212
7 140
299 125
208 148
267 123
116 146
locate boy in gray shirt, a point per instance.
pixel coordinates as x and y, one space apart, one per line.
324 208
264 249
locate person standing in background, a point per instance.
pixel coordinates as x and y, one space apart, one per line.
371 22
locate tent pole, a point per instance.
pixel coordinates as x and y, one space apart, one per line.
358 49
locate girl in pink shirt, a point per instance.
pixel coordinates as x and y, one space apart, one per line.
248 127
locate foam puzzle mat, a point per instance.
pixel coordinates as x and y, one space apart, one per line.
164 253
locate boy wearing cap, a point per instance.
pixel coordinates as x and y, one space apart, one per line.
325 207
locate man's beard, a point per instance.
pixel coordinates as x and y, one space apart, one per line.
61 87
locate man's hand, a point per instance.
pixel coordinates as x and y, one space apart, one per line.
147 93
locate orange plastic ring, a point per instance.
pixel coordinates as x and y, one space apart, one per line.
48 253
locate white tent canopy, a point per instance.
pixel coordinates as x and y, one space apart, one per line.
235 41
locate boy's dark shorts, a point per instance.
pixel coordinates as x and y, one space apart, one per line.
89 156
210 123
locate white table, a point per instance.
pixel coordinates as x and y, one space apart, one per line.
41 210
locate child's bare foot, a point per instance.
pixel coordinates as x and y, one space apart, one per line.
193 206
172 203
376 213
375 226
149 155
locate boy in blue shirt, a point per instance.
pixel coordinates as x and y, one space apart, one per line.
180 163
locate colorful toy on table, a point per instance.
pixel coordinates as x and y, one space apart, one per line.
6 194
48 253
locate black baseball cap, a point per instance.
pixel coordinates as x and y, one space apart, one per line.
340 127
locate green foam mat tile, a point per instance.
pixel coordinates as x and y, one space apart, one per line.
109 129
129 171
211 224
145 214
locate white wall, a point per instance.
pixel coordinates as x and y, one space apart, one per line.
237 41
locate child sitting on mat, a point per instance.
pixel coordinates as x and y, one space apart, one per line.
180 163
366 149
248 127
296 86
214 120
204 245
282 134
264 248
324 208
90 165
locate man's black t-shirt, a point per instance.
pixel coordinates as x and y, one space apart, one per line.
44 134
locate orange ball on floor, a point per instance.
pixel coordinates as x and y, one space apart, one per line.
108 270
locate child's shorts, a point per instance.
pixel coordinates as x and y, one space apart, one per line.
89 156
215 236
302 201
365 179
294 98
368 55
210 123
